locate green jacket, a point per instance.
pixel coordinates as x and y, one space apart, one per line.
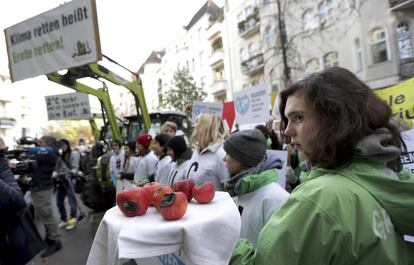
333 219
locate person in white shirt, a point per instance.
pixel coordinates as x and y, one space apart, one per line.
126 176
163 166
207 162
146 166
116 160
253 179
181 156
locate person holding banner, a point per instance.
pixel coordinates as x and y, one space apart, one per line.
207 162
356 205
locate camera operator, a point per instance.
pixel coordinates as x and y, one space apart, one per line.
67 167
41 186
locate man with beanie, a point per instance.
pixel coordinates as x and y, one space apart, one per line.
181 156
146 166
41 186
253 179
163 166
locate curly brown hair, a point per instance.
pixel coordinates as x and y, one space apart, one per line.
347 111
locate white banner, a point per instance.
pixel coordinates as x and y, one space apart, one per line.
205 107
252 105
72 106
64 37
408 159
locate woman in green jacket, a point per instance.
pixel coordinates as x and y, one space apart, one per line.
357 204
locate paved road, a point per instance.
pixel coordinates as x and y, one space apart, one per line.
76 243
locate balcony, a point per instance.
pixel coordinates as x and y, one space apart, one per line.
407 68
6 123
400 5
218 86
216 58
253 65
214 31
251 25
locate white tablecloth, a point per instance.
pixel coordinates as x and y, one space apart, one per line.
207 234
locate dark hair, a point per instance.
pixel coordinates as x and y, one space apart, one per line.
263 130
62 142
346 109
116 142
162 138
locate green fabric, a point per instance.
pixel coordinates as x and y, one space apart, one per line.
332 219
255 181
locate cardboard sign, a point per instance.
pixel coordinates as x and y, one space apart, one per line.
64 37
252 105
72 106
408 159
204 107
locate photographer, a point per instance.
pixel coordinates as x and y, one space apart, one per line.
41 186
67 167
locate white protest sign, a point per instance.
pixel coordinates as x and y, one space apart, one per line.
408 159
64 37
205 107
72 106
282 155
252 105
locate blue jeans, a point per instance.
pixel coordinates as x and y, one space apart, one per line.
66 189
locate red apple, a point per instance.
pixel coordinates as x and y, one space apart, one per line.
133 202
150 188
159 194
204 192
185 186
173 205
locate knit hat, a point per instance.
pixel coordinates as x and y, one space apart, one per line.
49 140
162 139
247 146
178 145
144 140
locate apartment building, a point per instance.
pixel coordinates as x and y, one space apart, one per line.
247 42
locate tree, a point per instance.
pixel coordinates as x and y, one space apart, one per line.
183 92
70 130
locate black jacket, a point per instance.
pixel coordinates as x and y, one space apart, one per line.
45 158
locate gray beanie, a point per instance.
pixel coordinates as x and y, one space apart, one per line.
247 146
49 140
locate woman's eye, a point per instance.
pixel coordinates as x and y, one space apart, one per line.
298 118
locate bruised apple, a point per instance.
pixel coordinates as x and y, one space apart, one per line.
133 202
150 188
185 186
159 194
204 192
173 206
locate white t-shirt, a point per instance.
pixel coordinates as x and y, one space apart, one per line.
208 165
162 170
146 166
115 163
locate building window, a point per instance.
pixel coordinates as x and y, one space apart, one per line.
244 55
330 59
269 35
358 55
309 19
273 80
312 66
253 49
404 41
378 42
325 10
160 92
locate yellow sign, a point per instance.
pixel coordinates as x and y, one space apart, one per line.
400 98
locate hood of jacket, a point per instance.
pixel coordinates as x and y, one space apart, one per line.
255 177
185 156
392 190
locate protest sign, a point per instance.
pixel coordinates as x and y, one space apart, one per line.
61 38
72 106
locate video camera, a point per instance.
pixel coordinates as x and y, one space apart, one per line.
21 162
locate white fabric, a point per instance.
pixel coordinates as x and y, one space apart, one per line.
258 206
207 234
146 167
211 166
162 170
178 172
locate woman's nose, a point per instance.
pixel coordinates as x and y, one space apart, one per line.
289 131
